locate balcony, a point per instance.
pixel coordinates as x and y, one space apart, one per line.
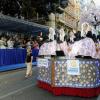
69 23
70 11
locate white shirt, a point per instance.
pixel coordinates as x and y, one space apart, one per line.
10 44
2 44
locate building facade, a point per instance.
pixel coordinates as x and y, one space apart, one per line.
71 16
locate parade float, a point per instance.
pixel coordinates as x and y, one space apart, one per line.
68 75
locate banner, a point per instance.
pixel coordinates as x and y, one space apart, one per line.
73 67
42 62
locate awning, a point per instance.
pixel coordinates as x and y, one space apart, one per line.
18 25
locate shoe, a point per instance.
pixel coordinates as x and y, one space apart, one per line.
30 75
26 76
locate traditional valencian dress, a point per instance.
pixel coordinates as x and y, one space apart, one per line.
84 47
48 48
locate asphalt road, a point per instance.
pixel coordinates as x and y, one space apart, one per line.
14 86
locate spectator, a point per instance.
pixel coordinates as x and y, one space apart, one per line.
16 43
10 43
29 44
35 44
23 44
2 43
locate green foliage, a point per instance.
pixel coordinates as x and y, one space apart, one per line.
28 10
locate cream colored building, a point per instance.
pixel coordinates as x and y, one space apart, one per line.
71 16
69 19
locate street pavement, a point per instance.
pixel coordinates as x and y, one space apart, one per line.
14 86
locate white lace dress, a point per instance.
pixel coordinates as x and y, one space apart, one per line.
85 47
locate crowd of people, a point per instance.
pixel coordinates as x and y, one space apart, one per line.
10 40
18 40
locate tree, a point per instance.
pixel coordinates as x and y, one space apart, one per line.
11 7
45 7
28 10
